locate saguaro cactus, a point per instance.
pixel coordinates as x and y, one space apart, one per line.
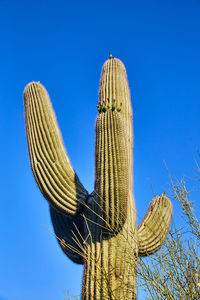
97 229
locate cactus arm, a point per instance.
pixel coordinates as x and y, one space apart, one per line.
154 228
111 180
50 164
70 235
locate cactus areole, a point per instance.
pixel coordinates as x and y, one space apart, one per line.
98 229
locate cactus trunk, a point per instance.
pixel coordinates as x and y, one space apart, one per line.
110 264
97 230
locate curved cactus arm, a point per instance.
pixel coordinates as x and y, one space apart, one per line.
155 226
70 235
111 180
50 164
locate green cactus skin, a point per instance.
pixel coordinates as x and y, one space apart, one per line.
97 230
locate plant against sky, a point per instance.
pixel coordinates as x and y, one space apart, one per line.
104 222
173 273
65 44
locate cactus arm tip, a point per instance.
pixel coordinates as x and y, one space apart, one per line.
50 164
154 228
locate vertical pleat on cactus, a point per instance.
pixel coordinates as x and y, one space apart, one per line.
98 229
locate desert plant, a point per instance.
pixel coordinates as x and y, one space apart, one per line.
174 272
97 229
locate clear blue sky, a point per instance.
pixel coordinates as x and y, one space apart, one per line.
63 44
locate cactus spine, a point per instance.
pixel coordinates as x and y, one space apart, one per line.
97 229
